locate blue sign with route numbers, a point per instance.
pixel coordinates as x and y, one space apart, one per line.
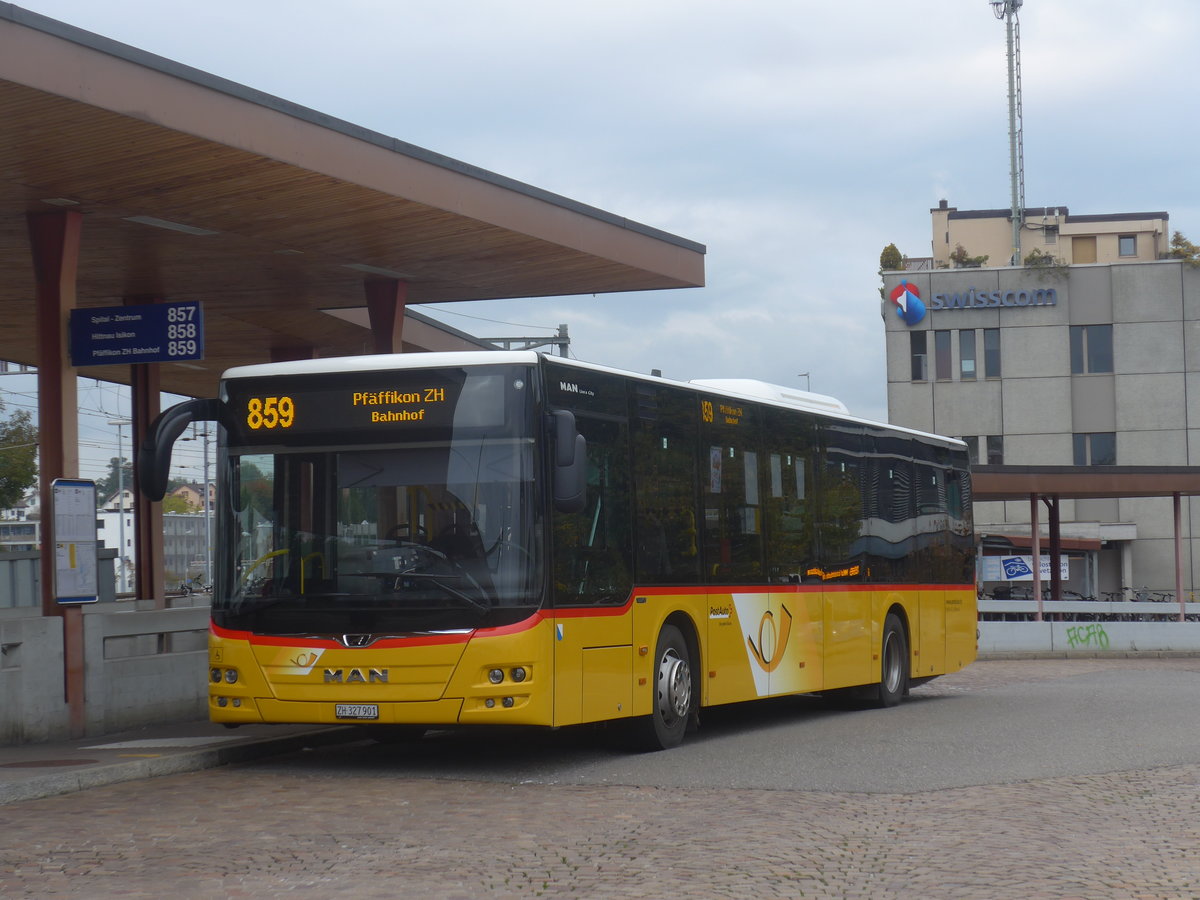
123 335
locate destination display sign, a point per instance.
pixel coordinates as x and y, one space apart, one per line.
124 335
369 405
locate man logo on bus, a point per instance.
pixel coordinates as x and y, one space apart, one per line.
909 305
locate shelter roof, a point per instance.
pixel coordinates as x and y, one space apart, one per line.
1083 482
193 187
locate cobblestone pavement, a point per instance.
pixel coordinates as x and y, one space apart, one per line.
250 831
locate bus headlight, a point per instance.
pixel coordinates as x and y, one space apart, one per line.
231 676
215 675
519 674
495 676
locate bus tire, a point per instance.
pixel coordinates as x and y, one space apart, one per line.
674 696
894 667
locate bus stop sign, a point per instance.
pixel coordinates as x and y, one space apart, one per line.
123 335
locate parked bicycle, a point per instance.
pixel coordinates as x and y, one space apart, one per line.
194 585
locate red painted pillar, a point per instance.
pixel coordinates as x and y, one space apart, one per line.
385 306
54 239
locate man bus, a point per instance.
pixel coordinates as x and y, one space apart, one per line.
509 538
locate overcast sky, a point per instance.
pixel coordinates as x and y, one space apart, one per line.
794 139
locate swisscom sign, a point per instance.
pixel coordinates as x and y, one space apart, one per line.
911 308
123 335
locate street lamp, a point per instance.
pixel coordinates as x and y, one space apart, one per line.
122 584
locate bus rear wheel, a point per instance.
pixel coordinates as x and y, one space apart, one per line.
674 695
894 663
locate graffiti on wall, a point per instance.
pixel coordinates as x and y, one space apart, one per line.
1092 635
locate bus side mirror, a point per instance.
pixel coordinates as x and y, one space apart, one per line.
570 463
154 455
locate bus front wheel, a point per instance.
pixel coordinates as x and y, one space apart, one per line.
674 695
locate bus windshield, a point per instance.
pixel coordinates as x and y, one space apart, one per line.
381 540
430 525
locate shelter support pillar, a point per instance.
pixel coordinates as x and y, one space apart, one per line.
145 401
1035 547
1178 503
385 306
54 239
1055 547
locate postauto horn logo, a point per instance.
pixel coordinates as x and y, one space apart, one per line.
909 305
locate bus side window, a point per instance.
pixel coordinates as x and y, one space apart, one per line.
789 522
733 527
664 472
841 529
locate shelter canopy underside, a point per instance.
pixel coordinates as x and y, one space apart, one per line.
286 211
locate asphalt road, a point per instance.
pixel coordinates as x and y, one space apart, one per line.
1000 722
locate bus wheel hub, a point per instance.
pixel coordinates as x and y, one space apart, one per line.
674 686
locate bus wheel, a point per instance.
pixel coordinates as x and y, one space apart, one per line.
673 695
894 663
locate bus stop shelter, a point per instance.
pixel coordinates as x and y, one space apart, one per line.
130 179
1047 485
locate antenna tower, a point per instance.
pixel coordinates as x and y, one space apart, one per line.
1007 10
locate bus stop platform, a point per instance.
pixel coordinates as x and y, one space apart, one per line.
30 771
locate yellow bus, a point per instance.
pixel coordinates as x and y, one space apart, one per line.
510 538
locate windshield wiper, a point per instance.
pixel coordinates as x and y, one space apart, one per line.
439 581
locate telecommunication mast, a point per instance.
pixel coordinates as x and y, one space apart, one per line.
1007 10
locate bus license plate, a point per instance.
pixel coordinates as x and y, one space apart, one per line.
357 711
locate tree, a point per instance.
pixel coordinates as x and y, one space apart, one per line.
18 457
963 260
1182 248
891 259
110 483
173 504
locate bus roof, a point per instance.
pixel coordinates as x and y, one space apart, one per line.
745 388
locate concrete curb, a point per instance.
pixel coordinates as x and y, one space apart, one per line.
175 763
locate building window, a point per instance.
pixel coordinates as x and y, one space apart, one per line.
966 354
993 445
995 449
1098 449
991 353
1091 349
920 356
1127 245
941 354
972 442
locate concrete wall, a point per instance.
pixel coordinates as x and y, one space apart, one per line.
1091 627
145 667
141 667
31 680
1089 637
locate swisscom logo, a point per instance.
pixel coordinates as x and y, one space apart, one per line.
909 305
